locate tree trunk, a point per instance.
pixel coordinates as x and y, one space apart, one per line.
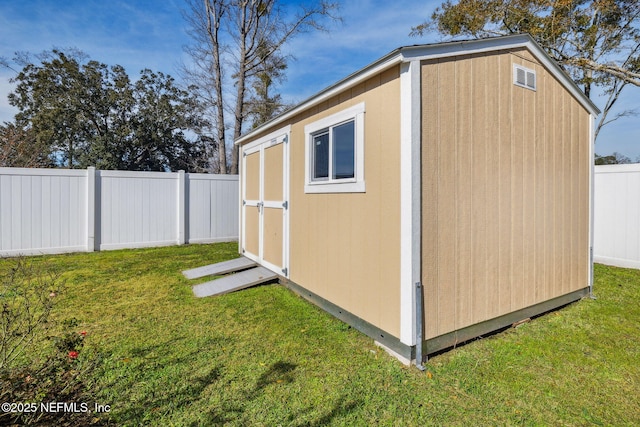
240 83
213 27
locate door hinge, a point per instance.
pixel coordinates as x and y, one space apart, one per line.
285 205
244 202
286 139
285 271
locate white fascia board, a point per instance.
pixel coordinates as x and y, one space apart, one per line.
354 79
446 50
432 51
410 200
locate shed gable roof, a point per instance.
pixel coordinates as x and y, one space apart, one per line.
426 52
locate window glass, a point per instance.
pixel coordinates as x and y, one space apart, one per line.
334 152
344 151
321 156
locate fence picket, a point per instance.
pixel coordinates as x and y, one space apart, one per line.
55 211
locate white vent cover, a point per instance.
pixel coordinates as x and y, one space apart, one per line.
524 77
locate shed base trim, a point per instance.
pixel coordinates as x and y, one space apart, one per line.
379 336
459 336
405 353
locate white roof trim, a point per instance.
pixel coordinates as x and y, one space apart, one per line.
426 52
322 96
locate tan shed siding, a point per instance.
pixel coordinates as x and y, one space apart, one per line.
505 190
273 236
253 177
273 162
346 247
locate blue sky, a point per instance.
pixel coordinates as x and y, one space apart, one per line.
140 34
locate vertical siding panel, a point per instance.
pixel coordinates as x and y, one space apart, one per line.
46 212
79 206
137 224
464 193
36 215
133 205
517 201
5 213
208 196
336 257
479 185
430 154
540 160
634 228
16 217
26 212
123 214
446 196
549 185
56 217
147 210
65 203
566 197
530 259
213 194
494 141
504 164
207 193
556 256
159 204
71 213
109 188
217 191
105 207
389 191
322 217
206 200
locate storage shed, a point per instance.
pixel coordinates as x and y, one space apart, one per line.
436 195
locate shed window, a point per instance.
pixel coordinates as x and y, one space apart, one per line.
524 77
335 153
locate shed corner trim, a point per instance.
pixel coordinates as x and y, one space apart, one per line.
410 200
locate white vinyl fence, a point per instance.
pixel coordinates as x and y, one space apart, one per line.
55 211
617 215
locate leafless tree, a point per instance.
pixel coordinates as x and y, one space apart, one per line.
232 42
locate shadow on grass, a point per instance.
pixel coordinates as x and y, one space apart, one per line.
145 365
280 372
154 406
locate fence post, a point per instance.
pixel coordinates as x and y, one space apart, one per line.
181 208
91 208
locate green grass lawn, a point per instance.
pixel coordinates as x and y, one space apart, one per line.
264 356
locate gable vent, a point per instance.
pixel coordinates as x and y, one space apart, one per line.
524 77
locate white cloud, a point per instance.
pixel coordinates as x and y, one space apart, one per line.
370 29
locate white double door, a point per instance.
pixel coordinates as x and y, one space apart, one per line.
265 219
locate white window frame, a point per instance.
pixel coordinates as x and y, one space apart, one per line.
330 185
